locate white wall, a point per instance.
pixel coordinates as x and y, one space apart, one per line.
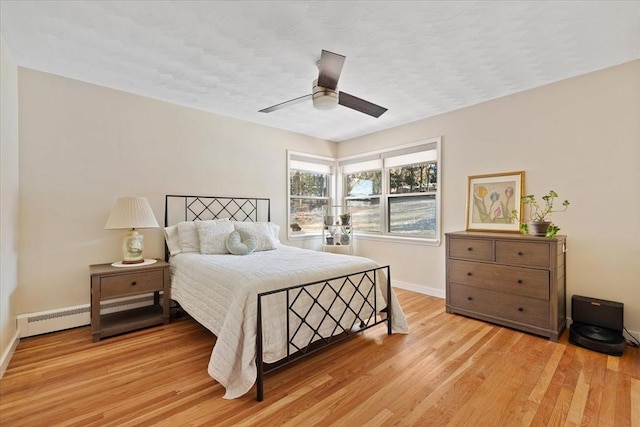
82 146
8 203
580 137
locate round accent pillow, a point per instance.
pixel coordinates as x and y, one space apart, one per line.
241 243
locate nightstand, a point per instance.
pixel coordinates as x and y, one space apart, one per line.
108 282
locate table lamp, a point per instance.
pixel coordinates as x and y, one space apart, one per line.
131 213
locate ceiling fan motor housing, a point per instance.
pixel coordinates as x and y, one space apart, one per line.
323 98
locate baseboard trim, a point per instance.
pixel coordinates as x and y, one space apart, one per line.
426 290
8 353
43 322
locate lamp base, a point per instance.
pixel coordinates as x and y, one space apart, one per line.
132 247
140 264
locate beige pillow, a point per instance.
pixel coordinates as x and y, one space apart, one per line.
262 231
172 237
213 234
189 241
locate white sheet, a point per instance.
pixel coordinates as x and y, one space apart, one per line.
219 291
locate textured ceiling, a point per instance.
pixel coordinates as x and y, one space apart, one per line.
418 59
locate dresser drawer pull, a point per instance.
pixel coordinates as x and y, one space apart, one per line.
520 281
469 249
134 283
469 273
520 253
470 298
520 309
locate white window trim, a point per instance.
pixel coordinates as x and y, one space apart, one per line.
302 158
371 156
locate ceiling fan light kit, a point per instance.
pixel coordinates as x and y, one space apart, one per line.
325 95
323 98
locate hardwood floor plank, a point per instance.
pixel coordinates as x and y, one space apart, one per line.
635 402
449 370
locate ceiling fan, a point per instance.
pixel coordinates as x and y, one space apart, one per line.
325 94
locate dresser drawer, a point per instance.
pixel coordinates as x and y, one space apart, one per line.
130 284
513 280
526 254
514 308
474 249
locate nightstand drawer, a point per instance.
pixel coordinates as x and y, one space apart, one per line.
131 284
474 249
529 254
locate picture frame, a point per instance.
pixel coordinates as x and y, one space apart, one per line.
491 199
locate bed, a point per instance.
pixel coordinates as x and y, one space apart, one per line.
274 305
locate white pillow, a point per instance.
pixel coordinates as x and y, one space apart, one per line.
213 235
275 230
263 233
172 237
189 241
241 243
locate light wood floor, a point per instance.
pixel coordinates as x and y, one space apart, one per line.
450 370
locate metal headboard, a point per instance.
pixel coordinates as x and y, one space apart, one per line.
178 208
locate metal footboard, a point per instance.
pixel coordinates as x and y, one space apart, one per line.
322 313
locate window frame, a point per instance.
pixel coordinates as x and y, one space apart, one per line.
292 157
370 158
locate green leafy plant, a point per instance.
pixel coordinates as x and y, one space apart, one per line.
541 212
345 218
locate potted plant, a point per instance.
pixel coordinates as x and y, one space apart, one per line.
328 220
345 218
539 223
345 238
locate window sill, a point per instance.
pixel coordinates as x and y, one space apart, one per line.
398 239
303 236
371 237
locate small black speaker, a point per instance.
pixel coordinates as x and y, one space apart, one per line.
597 324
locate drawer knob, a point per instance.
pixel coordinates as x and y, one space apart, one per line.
469 274
469 249
520 253
470 298
520 309
519 280
134 283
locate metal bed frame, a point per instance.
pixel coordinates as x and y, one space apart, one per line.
325 295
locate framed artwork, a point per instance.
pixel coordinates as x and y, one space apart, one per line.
491 200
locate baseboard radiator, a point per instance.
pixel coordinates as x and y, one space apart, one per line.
43 322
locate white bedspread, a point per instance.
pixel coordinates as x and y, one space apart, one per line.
219 291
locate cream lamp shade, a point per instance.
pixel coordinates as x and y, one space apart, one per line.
130 213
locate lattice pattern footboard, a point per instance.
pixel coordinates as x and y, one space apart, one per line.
322 313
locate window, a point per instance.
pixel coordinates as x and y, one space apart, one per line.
363 192
395 192
310 180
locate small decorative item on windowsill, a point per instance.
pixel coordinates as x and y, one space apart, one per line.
344 237
345 218
539 223
329 240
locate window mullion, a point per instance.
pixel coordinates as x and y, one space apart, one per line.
385 201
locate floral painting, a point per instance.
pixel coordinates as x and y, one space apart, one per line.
491 201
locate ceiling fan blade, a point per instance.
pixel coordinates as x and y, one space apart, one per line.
330 66
286 104
360 104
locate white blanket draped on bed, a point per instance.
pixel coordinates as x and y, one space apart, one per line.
219 291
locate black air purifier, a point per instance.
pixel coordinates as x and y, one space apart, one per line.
597 325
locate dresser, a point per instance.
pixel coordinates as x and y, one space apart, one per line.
512 280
